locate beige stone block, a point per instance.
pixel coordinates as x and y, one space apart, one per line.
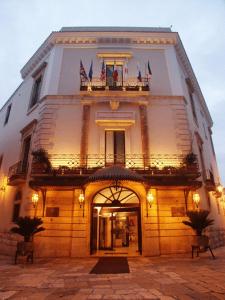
79 247
151 247
52 247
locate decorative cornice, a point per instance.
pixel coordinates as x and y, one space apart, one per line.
191 77
96 38
140 98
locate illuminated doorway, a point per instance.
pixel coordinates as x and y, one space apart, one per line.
116 222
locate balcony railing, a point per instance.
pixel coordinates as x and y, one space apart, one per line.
70 164
130 84
17 172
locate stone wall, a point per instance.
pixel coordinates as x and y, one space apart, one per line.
8 242
217 237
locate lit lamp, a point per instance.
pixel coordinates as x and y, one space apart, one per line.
196 199
81 201
220 188
4 184
35 199
149 201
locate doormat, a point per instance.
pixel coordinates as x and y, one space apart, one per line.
111 265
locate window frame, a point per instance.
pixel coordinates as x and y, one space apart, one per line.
7 115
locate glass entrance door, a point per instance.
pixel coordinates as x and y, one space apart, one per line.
116 222
116 230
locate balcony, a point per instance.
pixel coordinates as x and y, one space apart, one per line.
17 173
72 170
130 84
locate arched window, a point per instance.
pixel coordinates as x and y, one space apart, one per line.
116 195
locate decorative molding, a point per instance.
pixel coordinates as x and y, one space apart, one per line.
114 104
125 118
28 127
114 55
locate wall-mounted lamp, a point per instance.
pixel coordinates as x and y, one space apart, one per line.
149 201
4 184
81 200
35 199
196 199
219 188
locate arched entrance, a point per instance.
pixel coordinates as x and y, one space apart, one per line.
116 222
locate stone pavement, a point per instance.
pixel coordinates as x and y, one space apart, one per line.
165 278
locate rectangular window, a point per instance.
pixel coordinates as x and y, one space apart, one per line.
16 212
7 114
114 75
115 147
191 91
36 91
25 154
16 206
211 141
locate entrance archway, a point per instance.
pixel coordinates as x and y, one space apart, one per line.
116 222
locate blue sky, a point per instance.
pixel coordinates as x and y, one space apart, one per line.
25 24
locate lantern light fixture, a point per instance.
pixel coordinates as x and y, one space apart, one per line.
150 199
220 188
81 199
196 198
35 199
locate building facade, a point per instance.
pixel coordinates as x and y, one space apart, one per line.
108 140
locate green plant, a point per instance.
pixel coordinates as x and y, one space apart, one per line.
190 159
27 227
198 220
41 157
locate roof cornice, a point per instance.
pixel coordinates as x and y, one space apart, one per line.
96 38
188 68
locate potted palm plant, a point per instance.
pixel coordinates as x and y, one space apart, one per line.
41 161
26 227
199 221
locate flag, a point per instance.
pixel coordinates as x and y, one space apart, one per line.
139 76
83 75
102 75
139 73
90 71
125 70
149 70
115 73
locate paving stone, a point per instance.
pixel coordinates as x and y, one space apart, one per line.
7 295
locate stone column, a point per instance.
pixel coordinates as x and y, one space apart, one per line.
144 133
84 134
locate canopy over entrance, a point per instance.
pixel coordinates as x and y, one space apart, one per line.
115 173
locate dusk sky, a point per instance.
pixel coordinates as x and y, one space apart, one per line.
25 24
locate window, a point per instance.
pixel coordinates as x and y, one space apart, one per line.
36 91
114 75
115 147
7 114
191 91
211 141
25 154
16 206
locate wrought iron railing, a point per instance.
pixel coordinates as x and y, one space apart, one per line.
18 169
70 164
129 84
